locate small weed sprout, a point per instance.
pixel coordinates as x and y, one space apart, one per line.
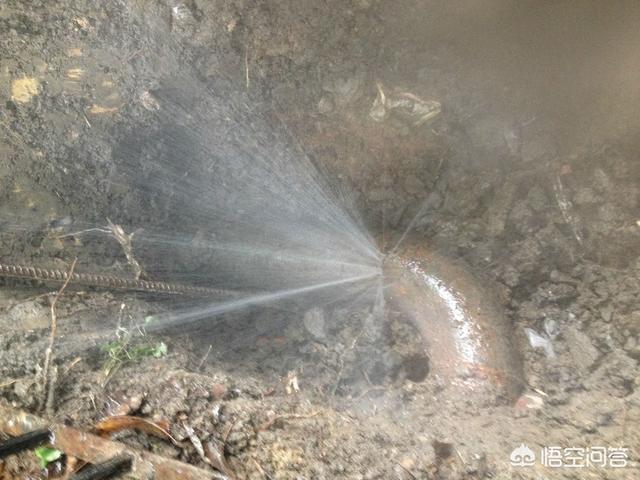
47 455
127 349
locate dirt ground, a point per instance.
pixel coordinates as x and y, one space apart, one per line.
530 179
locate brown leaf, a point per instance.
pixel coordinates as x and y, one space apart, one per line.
117 423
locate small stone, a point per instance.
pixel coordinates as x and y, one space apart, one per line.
604 419
407 463
443 450
149 102
606 312
218 391
21 389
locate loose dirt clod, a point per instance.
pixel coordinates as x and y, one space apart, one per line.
24 89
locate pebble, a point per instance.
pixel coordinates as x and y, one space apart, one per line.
218 391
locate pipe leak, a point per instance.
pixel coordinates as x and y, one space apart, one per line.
468 338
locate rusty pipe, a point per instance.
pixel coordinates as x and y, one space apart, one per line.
467 336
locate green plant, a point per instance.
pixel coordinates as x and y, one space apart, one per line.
123 351
47 455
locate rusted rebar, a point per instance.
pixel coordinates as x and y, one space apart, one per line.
108 281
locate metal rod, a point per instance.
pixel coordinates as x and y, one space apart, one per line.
107 469
26 441
109 281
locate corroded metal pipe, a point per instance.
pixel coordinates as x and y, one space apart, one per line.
468 338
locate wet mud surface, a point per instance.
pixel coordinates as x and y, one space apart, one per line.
532 182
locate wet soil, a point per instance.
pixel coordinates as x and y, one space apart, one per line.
532 181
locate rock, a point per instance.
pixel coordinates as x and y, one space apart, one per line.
443 450
22 390
218 391
606 312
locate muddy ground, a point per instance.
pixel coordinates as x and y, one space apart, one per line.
531 179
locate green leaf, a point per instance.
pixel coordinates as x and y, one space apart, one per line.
160 350
46 455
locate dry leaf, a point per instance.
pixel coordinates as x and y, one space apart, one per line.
117 423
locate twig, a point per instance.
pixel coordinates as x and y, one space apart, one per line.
196 442
125 242
204 359
133 55
53 378
406 470
261 470
73 363
246 67
225 437
8 383
88 230
52 335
